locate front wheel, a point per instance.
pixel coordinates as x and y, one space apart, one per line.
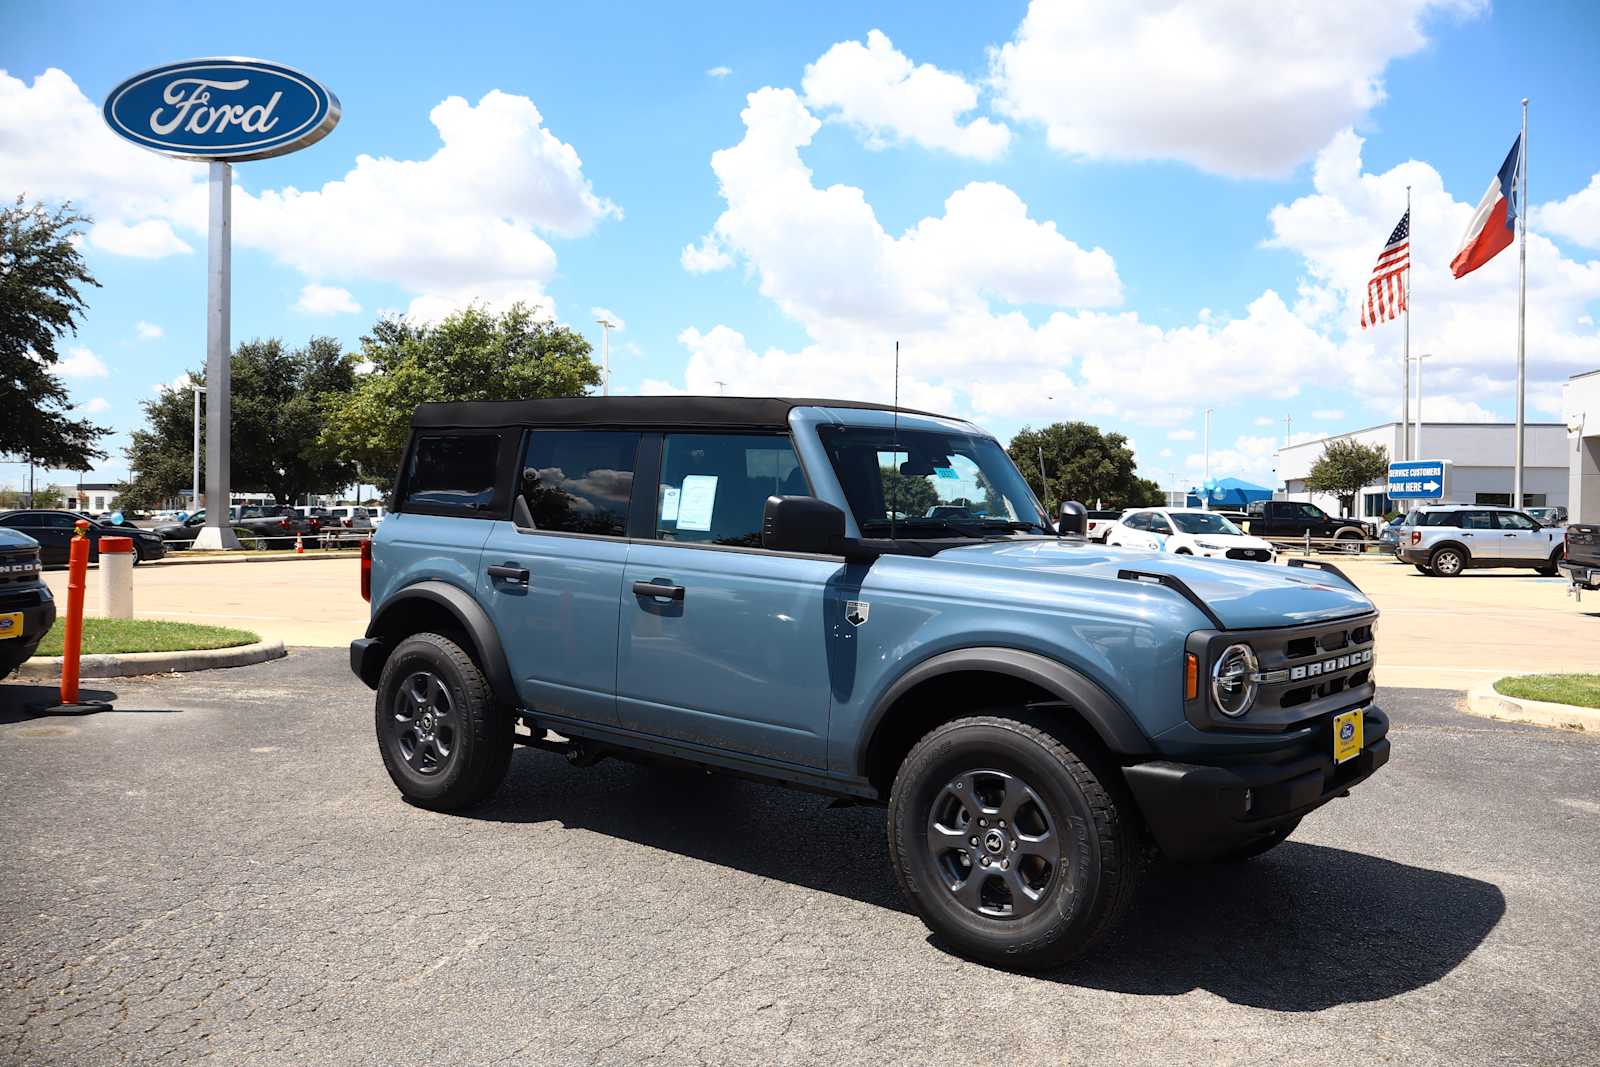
1010 847
445 742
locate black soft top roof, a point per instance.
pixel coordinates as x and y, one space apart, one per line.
658 412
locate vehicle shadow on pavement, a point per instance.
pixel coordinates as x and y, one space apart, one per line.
1303 928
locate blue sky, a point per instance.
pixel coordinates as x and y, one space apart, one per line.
1228 270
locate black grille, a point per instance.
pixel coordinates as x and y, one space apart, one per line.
1304 672
10 560
1259 554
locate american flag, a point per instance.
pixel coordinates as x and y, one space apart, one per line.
1386 291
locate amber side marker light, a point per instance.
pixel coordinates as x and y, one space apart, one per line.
1191 676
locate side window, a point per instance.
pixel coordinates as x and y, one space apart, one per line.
454 472
1311 511
1511 520
1140 521
580 481
1257 507
1475 520
714 486
1159 524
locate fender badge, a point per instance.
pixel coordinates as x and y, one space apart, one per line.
856 612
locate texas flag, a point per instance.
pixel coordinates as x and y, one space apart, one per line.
1495 222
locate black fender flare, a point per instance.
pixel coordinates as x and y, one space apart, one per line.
471 617
1110 721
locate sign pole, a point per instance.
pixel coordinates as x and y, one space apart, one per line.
218 530
1405 360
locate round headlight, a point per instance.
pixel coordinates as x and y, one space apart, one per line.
1232 688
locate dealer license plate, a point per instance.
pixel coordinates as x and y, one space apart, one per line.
10 625
1347 736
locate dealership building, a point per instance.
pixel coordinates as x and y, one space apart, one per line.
1480 455
1580 399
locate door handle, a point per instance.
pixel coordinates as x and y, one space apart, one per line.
510 572
1511 535
658 589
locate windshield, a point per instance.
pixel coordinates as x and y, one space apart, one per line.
930 483
1203 522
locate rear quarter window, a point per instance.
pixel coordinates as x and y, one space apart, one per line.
455 473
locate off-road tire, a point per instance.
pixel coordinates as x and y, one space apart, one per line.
481 732
1447 562
1265 843
1349 541
1084 803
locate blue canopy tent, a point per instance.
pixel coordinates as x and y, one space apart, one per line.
1228 493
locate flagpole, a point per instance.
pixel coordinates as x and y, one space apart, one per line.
1405 363
1522 305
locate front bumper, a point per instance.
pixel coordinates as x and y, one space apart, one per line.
1199 811
38 615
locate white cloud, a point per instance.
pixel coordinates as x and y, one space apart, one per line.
951 289
150 239
177 385
719 72
1250 457
1180 435
465 223
148 331
79 362
1327 414
705 257
1577 218
1468 325
876 89
93 406
1236 87
598 313
326 300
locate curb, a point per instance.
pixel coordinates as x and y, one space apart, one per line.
1483 700
130 664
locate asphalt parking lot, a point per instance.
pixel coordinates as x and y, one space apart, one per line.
221 868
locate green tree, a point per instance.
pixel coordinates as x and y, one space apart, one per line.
280 400
906 495
473 354
1082 464
41 273
1347 467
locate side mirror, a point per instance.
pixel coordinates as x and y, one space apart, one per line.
1074 519
806 524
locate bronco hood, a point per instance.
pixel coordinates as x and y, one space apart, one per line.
1243 595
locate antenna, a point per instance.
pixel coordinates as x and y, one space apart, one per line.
896 445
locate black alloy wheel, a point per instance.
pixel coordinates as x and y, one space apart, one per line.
993 840
444 738
1011 839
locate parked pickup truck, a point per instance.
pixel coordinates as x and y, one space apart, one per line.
1296 518
1580 558
275 525
735 583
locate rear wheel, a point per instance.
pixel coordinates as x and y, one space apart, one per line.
1011 848
1550 570
1348 541
445 742
1447 562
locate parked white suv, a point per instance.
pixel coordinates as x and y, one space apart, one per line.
1444 540
1188 532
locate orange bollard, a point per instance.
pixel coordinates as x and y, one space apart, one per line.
72 638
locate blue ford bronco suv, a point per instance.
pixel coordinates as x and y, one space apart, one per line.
863 602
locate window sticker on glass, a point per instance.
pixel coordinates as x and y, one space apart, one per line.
696 501
669 503
946 472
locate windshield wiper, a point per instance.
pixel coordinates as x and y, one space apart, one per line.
1012 524
921 520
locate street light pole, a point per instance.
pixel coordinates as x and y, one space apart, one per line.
605 355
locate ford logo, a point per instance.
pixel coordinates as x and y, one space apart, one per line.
227 109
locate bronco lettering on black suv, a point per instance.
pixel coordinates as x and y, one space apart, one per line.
869 604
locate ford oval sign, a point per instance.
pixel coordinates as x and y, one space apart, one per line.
226 109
